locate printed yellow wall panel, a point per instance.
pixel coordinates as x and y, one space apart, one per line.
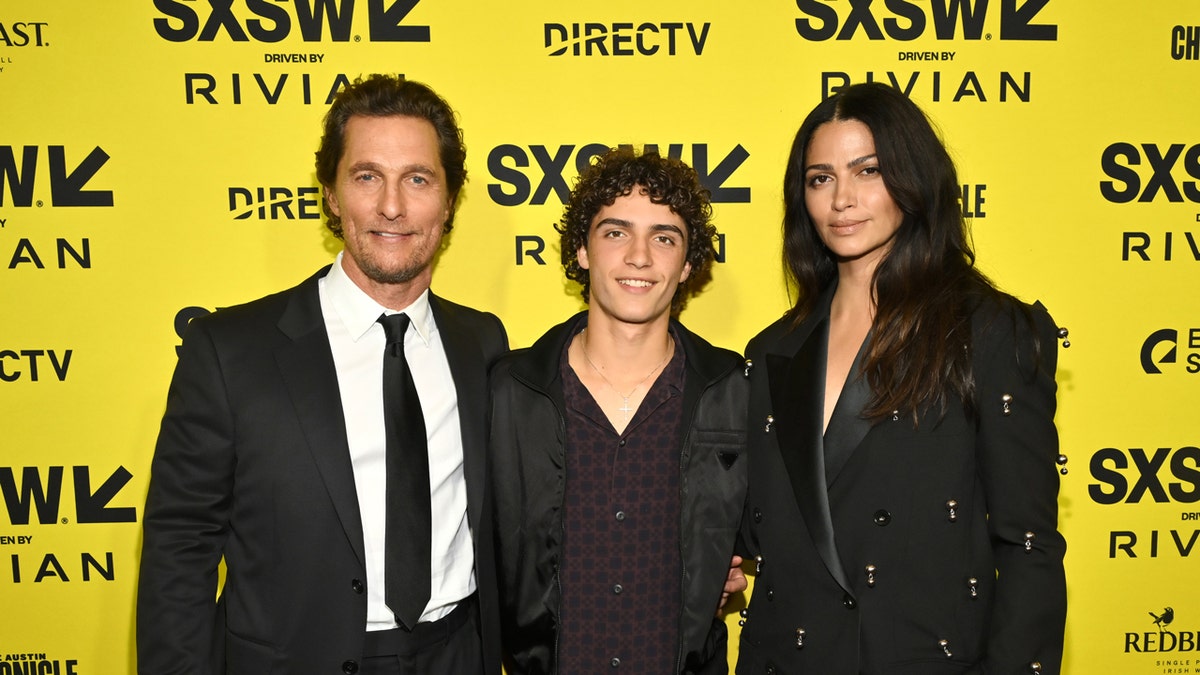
156 163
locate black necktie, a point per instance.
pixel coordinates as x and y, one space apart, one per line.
408 531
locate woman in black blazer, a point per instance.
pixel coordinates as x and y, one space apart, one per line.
903 488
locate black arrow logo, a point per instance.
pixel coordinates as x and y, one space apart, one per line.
92 507
715 181
67 189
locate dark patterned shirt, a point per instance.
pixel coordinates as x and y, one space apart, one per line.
622 570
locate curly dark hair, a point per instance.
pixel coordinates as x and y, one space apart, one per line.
385 96
666 181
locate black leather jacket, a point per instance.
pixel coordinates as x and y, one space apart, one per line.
528 479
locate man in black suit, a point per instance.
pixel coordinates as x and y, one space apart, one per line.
274 449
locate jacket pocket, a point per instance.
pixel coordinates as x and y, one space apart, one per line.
727 446
243 655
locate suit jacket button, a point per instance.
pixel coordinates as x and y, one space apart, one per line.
357 586
758 515
349 666
882 517
848 602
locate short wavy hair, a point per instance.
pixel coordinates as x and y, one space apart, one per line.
386 96
667 181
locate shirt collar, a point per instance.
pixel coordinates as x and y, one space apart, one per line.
358 312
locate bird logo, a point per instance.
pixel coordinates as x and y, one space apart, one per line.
1163 620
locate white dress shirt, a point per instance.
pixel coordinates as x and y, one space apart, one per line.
358 343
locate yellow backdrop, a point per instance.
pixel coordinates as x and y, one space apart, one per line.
156 162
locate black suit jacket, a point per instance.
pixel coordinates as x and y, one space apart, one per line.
822 507
252 464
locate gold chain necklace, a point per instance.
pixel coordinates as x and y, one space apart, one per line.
625 409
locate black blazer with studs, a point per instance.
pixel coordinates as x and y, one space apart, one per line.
889 549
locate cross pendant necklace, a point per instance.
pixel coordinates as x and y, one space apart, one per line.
625 407
624 403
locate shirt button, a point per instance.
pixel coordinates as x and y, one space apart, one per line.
357 586
615 662
620 516
882 517
617 588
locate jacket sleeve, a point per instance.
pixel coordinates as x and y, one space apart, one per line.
1015 361
505 497
186 520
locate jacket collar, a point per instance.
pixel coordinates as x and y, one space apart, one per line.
468 368
307 368
796 376
302 315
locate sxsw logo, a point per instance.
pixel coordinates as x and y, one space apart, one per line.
36 495
626 38
549 166
1161 474
275 203
1162 348
907 20
273 22
23 34
1121 162
67 183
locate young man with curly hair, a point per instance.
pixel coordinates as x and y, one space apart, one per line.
617 443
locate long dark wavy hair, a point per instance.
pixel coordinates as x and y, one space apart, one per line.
667 181
919 352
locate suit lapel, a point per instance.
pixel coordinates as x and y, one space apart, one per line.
468 368
847 427
306 364
797 399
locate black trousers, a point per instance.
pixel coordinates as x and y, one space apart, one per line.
451 644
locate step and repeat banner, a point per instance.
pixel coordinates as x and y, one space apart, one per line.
156 164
